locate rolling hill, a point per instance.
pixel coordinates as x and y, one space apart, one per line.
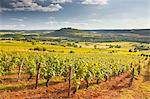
72 33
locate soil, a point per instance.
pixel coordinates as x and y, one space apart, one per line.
113 88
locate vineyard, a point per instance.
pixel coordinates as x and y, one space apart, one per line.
72 67
32 70
74 49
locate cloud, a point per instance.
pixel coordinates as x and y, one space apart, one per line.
22 25
94 2
61 1
9 26
42 5
29 5
16 19
52 23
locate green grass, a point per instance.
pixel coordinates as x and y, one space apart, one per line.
20 86
27 84
87 47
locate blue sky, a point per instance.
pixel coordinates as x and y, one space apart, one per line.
81 14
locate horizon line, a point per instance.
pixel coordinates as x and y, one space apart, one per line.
76 28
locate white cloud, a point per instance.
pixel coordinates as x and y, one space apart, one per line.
56 24
16 19
61 24
6 9
0 8
28 5
95 20
8 26
52 23
22 25
61 1
95 2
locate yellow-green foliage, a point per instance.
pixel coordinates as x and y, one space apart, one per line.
86 47
87 62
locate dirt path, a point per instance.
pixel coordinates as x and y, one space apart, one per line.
104 90
141 87
146 82
144 87
115 88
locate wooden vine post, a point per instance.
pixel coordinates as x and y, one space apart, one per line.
47 80
139 68
69 80
131 65
37 75
20 69
132 77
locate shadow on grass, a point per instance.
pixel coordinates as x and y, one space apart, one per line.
147 74
64 91
10 79
22 87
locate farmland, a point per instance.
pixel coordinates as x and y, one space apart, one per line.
46 69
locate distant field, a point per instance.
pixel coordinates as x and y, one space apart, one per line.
71 34
87 47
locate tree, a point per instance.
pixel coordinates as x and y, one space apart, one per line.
130 50
33 42
95 46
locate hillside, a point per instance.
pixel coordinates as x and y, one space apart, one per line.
144 32
72 33
139 35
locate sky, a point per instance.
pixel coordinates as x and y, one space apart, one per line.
80 14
